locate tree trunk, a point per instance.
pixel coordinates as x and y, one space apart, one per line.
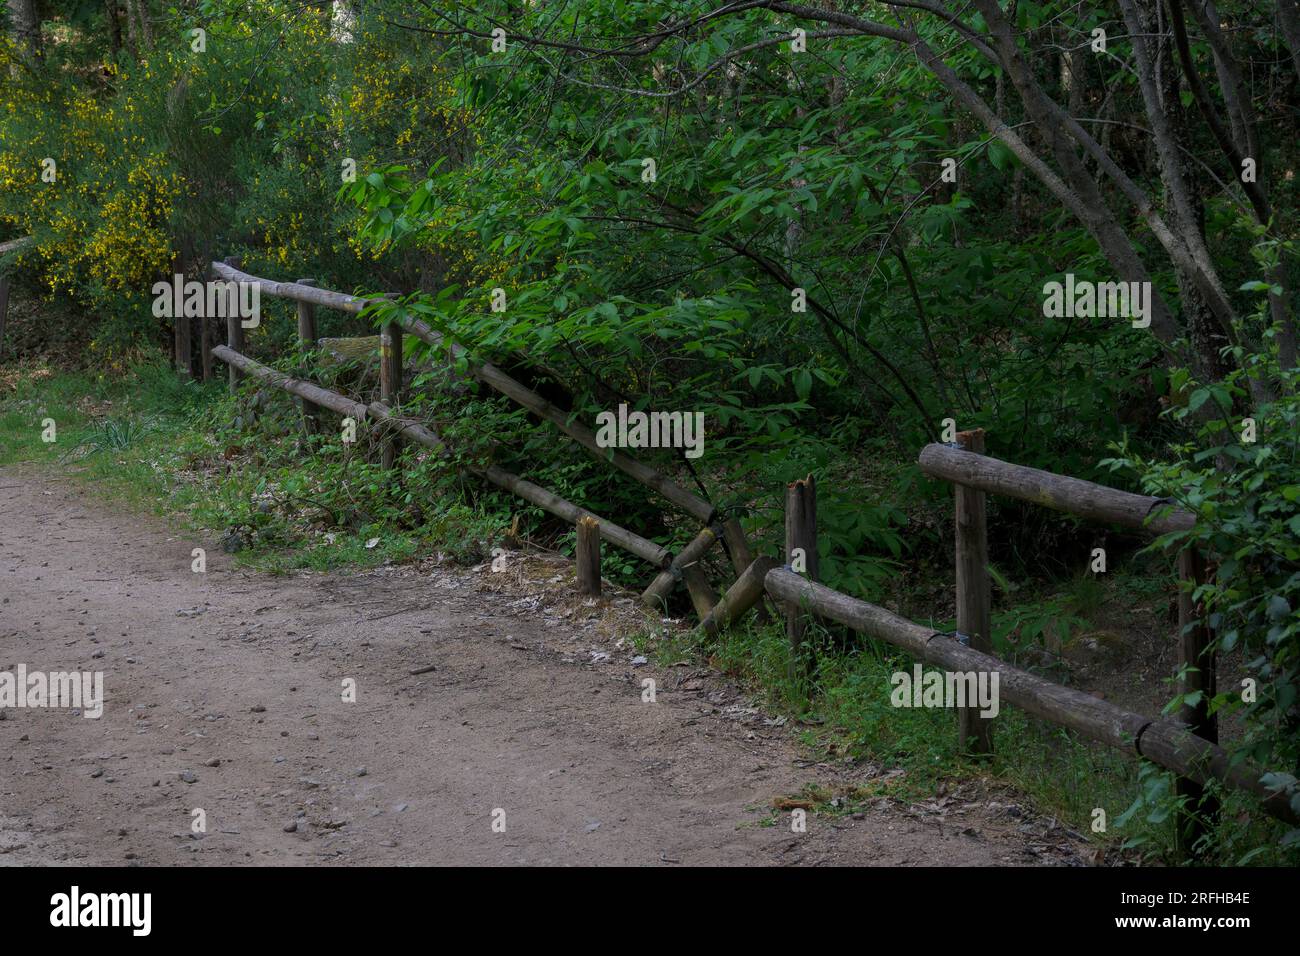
25 20
1203 328
146 28
132 41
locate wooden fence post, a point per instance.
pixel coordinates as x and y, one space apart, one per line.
588 556
800 555
311 416
234 335
1196 661
180 325
205 346
974 595
390 381
205 326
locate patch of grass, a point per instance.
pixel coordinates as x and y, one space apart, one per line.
109 435
329 553
842 692
281 502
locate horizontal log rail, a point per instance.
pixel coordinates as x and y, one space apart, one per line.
13 244
296 291
1074 496
312 393
616 534
1166 742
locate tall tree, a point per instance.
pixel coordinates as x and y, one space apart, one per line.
25 21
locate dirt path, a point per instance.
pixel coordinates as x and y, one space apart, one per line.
247 670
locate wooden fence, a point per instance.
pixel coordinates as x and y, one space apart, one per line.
682 567
975 474
1185 744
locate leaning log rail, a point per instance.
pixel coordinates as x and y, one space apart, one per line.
358 411
493 377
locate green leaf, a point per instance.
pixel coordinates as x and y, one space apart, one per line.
803 384
1000 155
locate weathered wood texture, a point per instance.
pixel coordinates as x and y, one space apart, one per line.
740 597
859 615
14 244
1166 742
737 545
305 390
416 431
703 597
800 548
206 325
656 595
1058 492
627 540
307 342
292 290
741 557
974 593
587 556
181 332
1171 744
390 381
234 343
234 327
